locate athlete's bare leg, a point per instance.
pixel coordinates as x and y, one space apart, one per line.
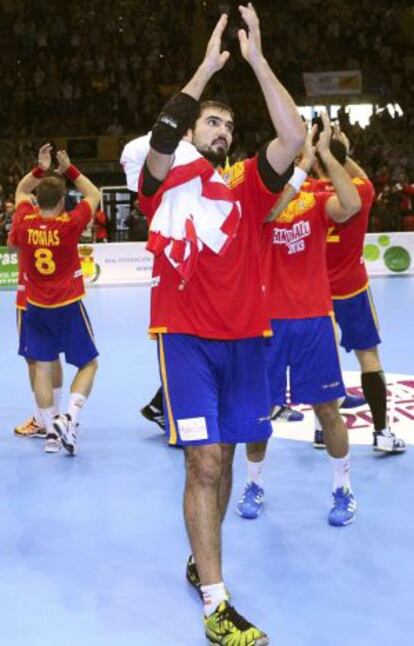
43 384
202 510
334 429
226 480
256 451
84 378
369 360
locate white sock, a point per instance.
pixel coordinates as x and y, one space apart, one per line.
36 414
341 468
76 402
47 415
57 396
254 472
213 595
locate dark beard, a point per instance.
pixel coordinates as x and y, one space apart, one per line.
215 157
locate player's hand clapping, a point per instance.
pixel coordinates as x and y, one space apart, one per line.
308 150
63 161
250 41
323 145
341 136
44 157
215 59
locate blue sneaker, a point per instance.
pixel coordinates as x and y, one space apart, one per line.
343 510
286 414
250 504
318 440
351 401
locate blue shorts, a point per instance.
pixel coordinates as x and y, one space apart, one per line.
308 348
67 329
357 318
21 331
214 391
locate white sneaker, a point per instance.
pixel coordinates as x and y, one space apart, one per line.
67 431
52 443
387 442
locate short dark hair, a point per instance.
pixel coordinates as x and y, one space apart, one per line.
338 150
50 191
219 105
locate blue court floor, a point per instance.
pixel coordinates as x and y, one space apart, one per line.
93 549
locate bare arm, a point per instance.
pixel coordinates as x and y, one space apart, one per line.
346 201
90 192
29 182
285 117
354 170
289 192
159 164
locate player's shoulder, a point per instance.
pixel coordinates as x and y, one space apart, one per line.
64 217
360 181
25 210
365 188
236 173
302 204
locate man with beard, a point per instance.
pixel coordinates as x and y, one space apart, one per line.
207 308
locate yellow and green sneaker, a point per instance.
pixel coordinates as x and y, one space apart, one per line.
226 627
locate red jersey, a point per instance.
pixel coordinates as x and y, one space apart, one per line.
346 268
224 297
294 259
49 254
21 296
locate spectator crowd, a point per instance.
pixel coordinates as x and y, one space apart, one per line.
107 68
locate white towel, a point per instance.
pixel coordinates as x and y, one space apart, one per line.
194 205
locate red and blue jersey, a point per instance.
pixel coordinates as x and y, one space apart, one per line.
48 253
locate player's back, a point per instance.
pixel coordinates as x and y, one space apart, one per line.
49 254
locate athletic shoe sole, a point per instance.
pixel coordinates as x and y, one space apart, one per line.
249 516
70 448
263 641
41 435
390 450
344 524
52 449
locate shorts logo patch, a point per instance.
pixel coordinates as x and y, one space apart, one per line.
335 384
192 429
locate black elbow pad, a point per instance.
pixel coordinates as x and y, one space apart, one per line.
177 116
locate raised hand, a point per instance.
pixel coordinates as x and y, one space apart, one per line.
341 136
214 58
325 136
308 150
250 40
44 157
63 161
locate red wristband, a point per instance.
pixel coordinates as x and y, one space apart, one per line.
72 173
38 172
